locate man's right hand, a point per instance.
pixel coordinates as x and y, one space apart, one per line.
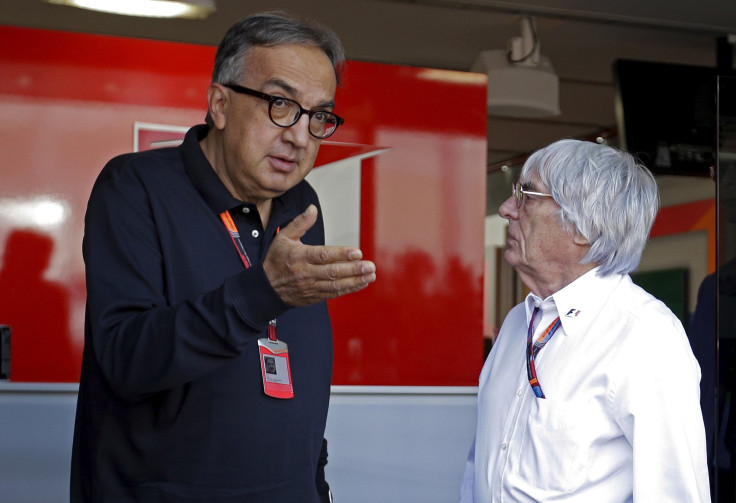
303 274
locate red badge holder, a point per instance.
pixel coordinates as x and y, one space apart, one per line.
275 366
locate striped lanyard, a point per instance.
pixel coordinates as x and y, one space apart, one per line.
534 347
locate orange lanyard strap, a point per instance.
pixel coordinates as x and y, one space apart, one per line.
227 219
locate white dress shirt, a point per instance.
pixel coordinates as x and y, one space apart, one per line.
621 420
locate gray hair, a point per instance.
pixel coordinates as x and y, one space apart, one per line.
605 194
272 29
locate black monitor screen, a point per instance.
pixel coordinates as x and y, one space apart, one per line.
666 115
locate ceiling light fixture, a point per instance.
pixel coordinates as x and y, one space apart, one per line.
191 9
521 82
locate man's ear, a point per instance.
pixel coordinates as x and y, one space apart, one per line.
579 239
217 102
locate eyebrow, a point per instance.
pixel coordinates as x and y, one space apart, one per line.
291 90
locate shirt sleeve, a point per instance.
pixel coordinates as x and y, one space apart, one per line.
466 487
142 341
656 404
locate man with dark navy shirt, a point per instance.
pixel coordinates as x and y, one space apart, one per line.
208 347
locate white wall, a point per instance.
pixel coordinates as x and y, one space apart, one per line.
399 445
387 444
36 428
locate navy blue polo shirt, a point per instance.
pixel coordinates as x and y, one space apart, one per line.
171 403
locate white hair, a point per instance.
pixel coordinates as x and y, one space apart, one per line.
605 194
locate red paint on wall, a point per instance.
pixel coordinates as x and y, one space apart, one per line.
65 65
69 102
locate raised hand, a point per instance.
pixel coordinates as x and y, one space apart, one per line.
303 274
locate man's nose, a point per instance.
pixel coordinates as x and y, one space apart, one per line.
508 208
298 134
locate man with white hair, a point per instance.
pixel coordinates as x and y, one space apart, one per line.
590 393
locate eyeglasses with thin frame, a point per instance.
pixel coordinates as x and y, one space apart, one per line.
518 192
285 112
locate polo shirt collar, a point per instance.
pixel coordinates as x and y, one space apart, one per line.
201 173
211 188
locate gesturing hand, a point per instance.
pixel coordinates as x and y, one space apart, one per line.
303 274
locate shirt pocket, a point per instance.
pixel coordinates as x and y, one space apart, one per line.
556 444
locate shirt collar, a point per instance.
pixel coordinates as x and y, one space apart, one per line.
579 303
211 188
203 177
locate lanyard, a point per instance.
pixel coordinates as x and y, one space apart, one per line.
227 219
532 349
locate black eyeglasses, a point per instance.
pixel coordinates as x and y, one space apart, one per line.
285 113
518 192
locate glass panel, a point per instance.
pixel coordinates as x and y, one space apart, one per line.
725 411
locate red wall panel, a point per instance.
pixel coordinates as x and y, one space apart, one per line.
69 102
